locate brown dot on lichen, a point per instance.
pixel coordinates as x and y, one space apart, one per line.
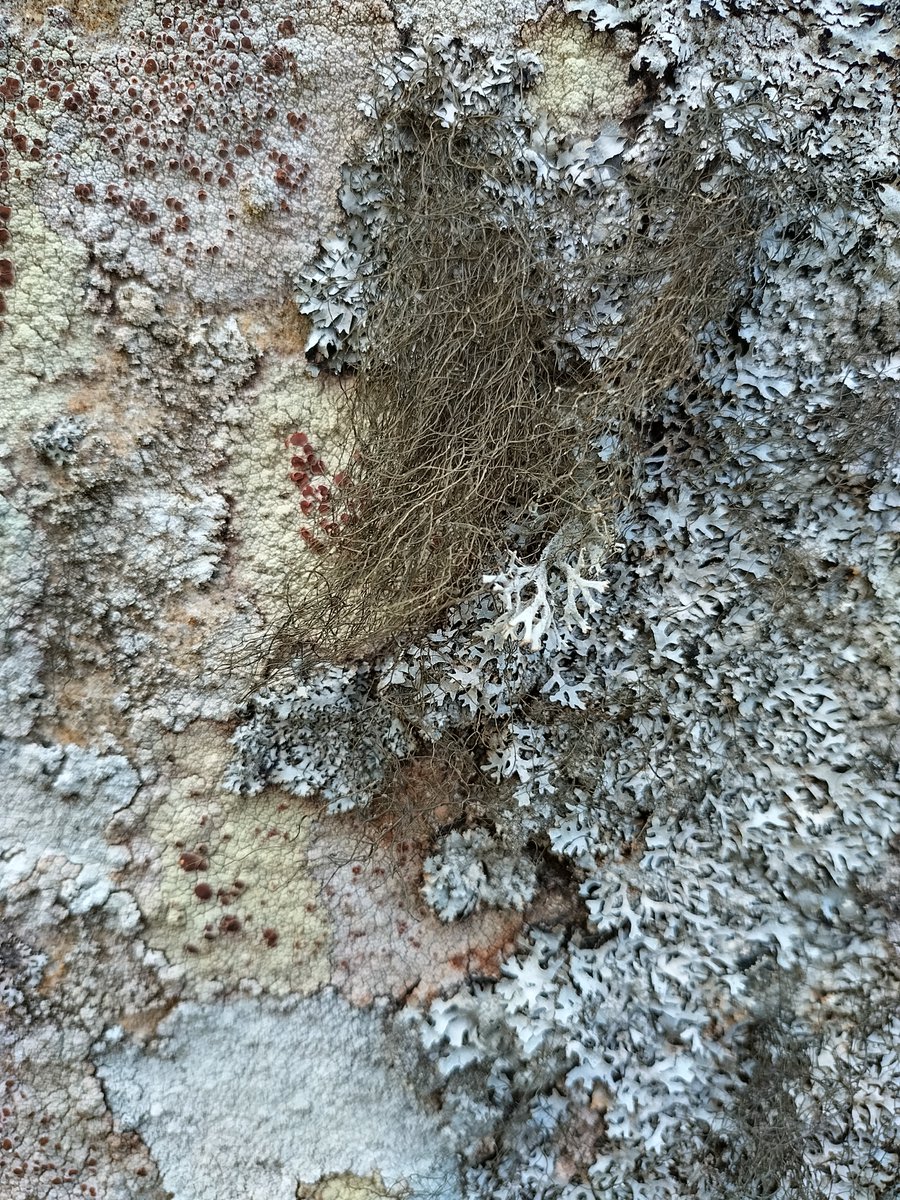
189 861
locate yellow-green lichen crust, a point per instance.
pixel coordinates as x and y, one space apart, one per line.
230 900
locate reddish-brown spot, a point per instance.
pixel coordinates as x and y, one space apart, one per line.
230 925
270 937
203 891
192 862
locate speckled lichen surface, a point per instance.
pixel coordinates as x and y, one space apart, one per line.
218 978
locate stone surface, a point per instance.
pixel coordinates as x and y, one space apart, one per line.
206 995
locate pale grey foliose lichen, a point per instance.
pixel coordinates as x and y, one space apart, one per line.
470 868
728 797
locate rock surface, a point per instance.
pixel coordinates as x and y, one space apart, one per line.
210 987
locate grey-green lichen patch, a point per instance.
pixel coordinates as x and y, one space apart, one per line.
47 336
708 779
256 1097
58 802
229 898
21 576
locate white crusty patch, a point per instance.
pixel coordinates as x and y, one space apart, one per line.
252 1098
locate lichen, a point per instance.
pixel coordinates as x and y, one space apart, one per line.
470 869
266 517
47 336
691 744
232 902
585 81
346 1186
82 790
343 1106
666 718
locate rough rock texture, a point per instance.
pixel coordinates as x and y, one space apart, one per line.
210 985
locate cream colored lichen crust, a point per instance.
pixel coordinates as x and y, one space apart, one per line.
228 898
266 516
47 336
585 80
346 1186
